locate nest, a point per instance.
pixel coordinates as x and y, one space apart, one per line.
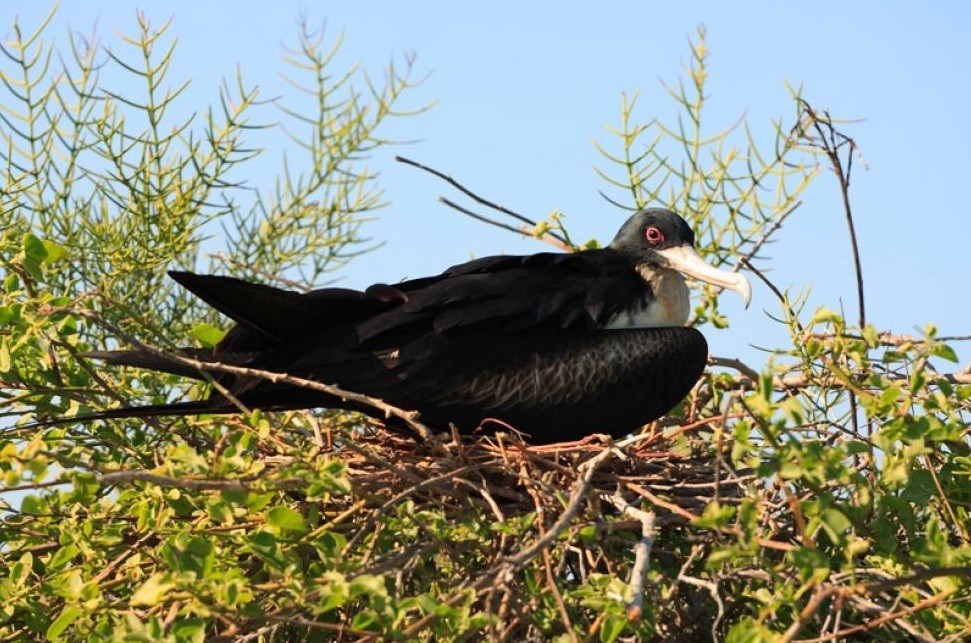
568 512
510 477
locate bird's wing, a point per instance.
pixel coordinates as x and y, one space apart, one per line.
266 316
510 295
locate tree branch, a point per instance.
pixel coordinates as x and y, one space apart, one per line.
642 554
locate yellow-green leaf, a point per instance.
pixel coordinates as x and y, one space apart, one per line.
67 616
207 334
285 519
152 591
34 248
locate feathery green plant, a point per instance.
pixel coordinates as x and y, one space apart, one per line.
118 188
735 192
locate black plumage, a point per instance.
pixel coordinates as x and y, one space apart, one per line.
557 345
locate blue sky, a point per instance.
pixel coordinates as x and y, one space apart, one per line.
523 90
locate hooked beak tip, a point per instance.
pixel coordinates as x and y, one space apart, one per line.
744 288
686 260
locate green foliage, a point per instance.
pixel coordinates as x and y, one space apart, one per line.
826 499
735 192
127 185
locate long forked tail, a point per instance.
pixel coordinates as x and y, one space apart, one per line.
156 361
152 410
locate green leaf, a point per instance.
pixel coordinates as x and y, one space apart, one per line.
364 620
34 249
62 557
825 315
812 563
749 630
265 546
184 553
190 630
871 335
333 592
67 616
286 519
20 571
835 523
368 585
945 352
32 504
8 314
54 251
84 487
207 334
793 409
153 590
588 533
715 515
191 460
330 544
613 626
789 470
853 447
220 511
67 585
919 488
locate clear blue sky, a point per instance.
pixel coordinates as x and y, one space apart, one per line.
524 88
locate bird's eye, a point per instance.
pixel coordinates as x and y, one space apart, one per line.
654 235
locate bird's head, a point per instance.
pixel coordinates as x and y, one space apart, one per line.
658 238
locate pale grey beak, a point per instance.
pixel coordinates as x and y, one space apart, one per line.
685 260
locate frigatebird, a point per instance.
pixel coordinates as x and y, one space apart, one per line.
557 345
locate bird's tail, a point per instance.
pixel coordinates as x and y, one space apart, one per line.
196 407
157 361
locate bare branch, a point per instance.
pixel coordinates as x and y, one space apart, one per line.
642 554
831 141
469 193
547 237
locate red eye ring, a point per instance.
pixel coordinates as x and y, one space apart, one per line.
654 235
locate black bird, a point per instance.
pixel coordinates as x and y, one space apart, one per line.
558 345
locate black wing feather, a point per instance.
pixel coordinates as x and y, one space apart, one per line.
276 314
513 295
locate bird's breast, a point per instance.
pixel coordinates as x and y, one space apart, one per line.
575 371
611 381
668 304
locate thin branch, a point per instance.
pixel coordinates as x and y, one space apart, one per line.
869 625
775 290
887 338
738 365
410 418
877 587
469 193
547 237
580 491
711 586
830 142
765 236
527 226
642 554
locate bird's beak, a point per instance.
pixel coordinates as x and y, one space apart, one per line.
685 260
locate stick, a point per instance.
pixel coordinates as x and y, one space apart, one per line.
642 554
